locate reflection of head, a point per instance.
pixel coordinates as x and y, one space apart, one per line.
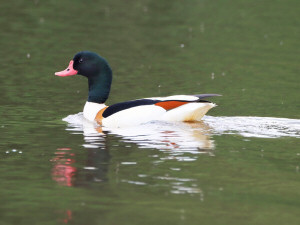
63 170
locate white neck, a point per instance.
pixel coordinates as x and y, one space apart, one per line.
91 109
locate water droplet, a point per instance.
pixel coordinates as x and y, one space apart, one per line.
90 168
142 175
128 163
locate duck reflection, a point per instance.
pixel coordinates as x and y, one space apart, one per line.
63 171
97 163
174 139
66 216
177 136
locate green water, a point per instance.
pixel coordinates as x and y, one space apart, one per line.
51 173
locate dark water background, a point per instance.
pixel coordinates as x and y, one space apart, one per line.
225 170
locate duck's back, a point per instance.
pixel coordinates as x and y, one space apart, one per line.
171 108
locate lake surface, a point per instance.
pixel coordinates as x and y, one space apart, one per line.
240 165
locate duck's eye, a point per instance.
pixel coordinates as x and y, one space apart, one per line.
80 60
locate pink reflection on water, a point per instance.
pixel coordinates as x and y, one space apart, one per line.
63 171
65 216
68 216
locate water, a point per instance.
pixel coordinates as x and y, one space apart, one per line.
240 165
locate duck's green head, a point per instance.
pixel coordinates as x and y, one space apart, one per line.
96 69
86 63
90 64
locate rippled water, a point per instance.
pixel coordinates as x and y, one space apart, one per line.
261 127
191 135
180 141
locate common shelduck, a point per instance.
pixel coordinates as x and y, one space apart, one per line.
135 112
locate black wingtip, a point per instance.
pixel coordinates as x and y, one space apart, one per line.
202 96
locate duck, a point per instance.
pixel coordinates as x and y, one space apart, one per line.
185 108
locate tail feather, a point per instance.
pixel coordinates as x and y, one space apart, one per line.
197 114
202 96
193 111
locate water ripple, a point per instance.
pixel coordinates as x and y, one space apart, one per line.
182 138
260 127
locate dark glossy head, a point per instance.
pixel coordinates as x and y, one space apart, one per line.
90 64
86 63
96 69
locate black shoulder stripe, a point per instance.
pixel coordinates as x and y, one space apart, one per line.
126 105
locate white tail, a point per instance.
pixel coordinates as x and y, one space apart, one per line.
188 112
